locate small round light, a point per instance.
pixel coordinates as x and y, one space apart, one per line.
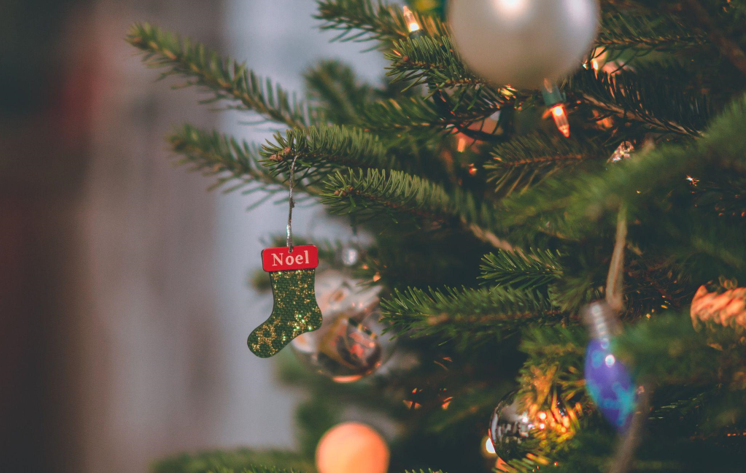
352 447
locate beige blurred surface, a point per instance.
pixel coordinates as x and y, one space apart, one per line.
146 328
124 302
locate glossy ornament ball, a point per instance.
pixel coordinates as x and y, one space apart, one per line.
349 345
523 42
510 428
352 447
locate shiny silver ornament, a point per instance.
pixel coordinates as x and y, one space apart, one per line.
349 345
510 428
523 42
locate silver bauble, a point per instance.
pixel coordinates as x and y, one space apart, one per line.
349 345
523 42
510 428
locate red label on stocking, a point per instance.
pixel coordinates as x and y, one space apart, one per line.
281 259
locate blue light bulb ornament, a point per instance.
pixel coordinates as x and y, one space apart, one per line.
607 380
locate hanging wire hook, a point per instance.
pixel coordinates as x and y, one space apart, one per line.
291 200
625 452
614 280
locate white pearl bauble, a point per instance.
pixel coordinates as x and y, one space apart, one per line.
523 42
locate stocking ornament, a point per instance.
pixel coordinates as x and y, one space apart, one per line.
292 272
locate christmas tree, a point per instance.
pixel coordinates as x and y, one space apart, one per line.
565 293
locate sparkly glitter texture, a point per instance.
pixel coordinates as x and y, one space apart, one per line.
295 312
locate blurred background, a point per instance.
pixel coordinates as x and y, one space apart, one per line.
124 295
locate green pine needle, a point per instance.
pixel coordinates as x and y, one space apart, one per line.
530 270
364 20
446 314
318 150
225 158
225 78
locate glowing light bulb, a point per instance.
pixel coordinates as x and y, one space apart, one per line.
412 25
560 119
555 102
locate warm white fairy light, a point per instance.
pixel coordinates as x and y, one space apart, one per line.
560 119
412 24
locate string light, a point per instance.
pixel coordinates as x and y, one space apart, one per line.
560 119
555 100
412 24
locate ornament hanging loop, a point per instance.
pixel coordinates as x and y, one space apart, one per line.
291 204
614 296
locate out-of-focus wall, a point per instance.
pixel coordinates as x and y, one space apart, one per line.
124 301
147 326
44 127
108 350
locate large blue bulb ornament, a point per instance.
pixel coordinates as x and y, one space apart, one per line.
607 380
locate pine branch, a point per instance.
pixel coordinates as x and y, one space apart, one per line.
365 20
406 115
651 99
418 117
469 315
320 150
334 87
525 161
224 77
234 461
426 60
375 193
527 270
643 183
555 356
215 154
394 193
667 350
461 97
704 247
423 471
223 157
645 31
470 402
728 48
405 259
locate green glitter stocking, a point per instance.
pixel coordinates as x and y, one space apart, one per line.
295 312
